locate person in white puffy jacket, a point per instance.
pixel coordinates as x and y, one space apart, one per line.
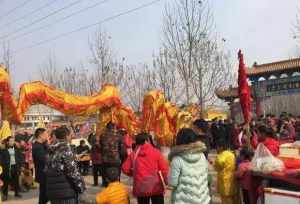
188 176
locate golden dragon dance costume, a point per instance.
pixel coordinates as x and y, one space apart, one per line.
158 115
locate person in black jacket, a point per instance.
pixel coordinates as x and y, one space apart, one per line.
11 162
112 149
64 182
214 133
81 151
218 131
39 154
96 160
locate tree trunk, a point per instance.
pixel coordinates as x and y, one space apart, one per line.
187 92
201 94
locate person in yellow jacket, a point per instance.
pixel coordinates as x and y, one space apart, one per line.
116 192
225 165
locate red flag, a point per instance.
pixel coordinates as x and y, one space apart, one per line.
244 89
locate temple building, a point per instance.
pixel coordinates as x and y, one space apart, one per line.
38 113
275 88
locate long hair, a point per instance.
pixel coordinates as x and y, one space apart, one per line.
185 136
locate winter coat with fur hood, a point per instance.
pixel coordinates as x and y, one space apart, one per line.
189 174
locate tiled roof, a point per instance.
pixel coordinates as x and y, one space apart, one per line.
286 65
256 70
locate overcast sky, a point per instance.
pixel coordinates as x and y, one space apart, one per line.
263 29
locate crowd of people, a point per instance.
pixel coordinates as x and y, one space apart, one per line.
59 166
285 128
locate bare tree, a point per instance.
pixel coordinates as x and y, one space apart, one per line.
87 81
297 25
72 79
188 40
82 81
212 71
7 56
69 80
296 35
138 81
101 54
185 24
108 70
167 76
49 72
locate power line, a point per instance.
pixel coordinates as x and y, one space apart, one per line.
88 26
15 8
58 20
41 19
30 13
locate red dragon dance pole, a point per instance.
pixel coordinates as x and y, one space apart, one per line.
244 95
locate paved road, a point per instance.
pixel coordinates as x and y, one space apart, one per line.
31 197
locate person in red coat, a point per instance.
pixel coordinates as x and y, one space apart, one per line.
268 138
287 132
149 170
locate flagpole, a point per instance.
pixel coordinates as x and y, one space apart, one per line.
245 96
